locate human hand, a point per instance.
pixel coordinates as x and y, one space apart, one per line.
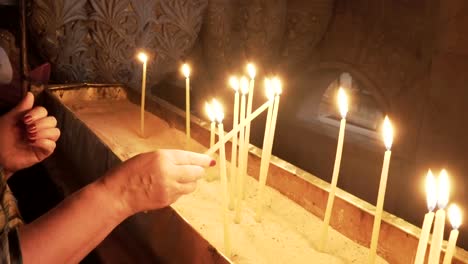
155 180
27 136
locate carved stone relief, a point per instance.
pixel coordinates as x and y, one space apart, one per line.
92 40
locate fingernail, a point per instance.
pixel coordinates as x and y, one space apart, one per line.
212 163
31 128
32 135
27 119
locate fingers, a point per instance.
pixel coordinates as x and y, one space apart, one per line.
190 173
187 188
45 147
44 123
48 133
24 105
181 157
35 114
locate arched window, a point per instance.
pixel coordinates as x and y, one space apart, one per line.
364 116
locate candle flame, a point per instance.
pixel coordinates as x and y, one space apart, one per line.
210 112
277 85
342 102
443 190
270 92
244 85
142 57
234 83
431 191
251 70
186 70
455 216
218 111
387 133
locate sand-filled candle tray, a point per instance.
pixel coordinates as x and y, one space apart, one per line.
100 128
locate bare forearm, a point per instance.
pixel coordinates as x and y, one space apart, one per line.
71 230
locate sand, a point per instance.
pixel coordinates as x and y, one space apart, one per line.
287 234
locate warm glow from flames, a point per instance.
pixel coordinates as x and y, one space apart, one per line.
142 57
443 190
277 85
210 112
218 111
387 133
234 83
251 70
270 92
244 85
431 191
342 102
186 70
455 216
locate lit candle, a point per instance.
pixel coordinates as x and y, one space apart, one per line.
144 59
218 109
278 88
454 214
241 125
234 83
212 117
343 106
443 190
270 93
186 72
244 85
252 72
388 140
431 193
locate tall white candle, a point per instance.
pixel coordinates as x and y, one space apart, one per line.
223 175
186 72
244 85
262 176
388 140
443 190
343 106
144 59
252 72
212 117
431 192
278 87
234 83
455 219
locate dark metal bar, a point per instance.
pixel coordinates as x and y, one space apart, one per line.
24 67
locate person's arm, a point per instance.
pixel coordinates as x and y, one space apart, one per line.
70 231
148 181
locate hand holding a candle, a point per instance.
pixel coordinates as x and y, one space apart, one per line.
154 180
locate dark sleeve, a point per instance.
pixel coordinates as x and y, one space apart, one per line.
10 248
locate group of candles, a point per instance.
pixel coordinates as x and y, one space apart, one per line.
143 58
345 83
437 192
233 191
